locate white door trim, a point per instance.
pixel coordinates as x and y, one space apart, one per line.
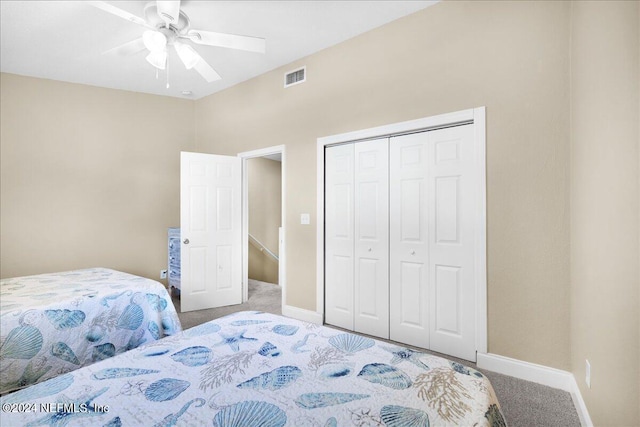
278 149
480 150
477 116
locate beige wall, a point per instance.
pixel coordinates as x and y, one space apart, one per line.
89 176
511 57
265 216
605 221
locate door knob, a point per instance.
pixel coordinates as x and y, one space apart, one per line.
186 241
413 252
369 250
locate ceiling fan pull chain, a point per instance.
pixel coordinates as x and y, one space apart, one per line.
167 74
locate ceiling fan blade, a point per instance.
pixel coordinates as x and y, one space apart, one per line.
206 71
118 12
187 54
232 41
169 11
129 48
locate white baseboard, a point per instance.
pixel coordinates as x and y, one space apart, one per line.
540 374
581 407
302 314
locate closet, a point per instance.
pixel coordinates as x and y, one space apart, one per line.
400 238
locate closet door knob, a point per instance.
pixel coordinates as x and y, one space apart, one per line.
186 241
413 252
369 250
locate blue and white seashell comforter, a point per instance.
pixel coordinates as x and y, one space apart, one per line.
258 369
51 324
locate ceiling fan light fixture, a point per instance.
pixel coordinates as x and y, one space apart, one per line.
187 54
155 41
158 59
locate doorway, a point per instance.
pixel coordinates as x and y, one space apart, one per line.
263 218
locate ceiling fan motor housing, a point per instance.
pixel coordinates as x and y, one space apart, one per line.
172 30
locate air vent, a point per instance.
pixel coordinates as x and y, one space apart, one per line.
295 77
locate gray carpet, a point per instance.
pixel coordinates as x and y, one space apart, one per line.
263 296
523 403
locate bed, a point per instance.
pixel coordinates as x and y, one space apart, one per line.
259 369
51 324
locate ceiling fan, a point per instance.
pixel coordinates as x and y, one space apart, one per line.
166 25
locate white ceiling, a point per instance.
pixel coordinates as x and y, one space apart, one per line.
65 40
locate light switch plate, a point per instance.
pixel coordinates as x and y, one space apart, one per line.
305 219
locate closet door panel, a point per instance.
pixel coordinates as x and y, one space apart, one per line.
371 275
451 215
408 287
339 235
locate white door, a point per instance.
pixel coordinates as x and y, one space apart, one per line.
210 223
339 225
409 250
371 243
451 235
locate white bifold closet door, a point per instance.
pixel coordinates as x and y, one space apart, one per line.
408 241
400 239
357 236
452 241
339 231
371 233
432 240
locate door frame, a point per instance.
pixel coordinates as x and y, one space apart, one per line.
246 155
475 116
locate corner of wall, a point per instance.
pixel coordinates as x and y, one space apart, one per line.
605 208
